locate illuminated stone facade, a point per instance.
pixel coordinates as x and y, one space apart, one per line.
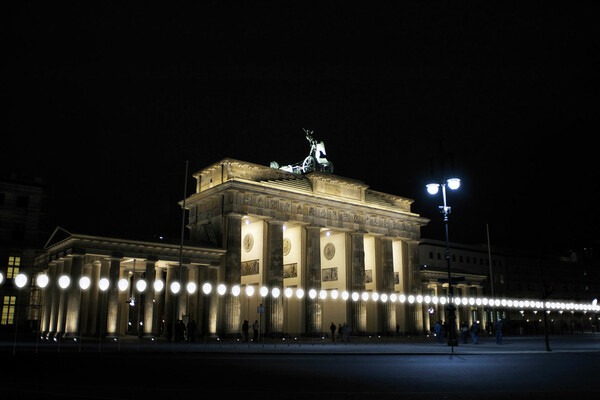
249 225
315 231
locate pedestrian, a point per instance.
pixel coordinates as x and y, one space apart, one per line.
255 331
463 332
438 330
332 328
498 327
475 332
245 331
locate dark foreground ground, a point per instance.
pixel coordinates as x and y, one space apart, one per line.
519 369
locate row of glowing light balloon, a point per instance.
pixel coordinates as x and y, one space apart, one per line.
64 281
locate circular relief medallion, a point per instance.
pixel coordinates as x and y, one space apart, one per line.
329 251
248 242
287 246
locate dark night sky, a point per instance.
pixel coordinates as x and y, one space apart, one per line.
106 102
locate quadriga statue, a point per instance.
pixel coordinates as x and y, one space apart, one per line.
315 161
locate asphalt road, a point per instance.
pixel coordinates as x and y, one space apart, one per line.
129 375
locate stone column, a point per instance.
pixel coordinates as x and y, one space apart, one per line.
358 310
73 312
232 274
63 299
51 300
158 309
113 309
312 275
170 298
405 316
388 309
147 298
93 308
102 316
274 278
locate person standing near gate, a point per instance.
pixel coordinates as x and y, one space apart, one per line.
255 331
498 327
332 328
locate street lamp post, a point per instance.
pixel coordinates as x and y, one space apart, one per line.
433 189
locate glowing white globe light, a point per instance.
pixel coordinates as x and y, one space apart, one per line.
323 294
503 302
402 298
375 296
299 293
345 295
355 296
264 291
442 300
497 302
419 299
384 298
191 287
84 283
141 285
453 183
159 285
103 284
411 299
249 290
457 301
478 301
207 288
175 287
334 294
365 296
393 297
1 277
288 292
484 301
123 284
235 290
21 280
312 293
42 280
427 299
64 281
464 301
433 188
221 289
435 299
471 301
275 292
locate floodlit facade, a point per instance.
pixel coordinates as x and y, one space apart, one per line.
294 251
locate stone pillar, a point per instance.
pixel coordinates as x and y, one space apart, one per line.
147 298
357 309
113 309
73 312
93 308
170 298
232 274
387 310
50 300
312 275
192 301
405 316
416 315
102 319
158 309
183 273
63 298
274 278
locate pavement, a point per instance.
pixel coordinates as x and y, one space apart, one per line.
582 343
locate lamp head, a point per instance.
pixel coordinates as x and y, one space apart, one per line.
433 188
453 183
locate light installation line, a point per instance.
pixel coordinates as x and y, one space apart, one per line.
191 287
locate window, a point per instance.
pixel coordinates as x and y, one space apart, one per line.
13 267
8 310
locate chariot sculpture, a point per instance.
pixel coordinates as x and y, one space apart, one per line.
315 161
